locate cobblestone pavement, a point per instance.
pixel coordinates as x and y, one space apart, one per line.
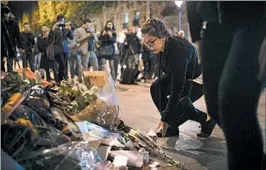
138 111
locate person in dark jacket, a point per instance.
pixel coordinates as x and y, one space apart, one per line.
108 38
42 43
230 35
10 37
177 59
27 41
132 47
93 60
59 33
147 62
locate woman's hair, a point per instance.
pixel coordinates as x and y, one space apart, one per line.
156 28
113 28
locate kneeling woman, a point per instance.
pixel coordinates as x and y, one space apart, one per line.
178 61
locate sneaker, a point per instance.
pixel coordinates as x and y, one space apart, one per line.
207 128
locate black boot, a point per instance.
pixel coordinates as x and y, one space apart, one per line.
206 129
201 117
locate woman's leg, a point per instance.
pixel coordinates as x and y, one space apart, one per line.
214 51
239 92
102 63
112 69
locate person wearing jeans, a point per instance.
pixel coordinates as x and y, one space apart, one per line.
108 38
93 60
82 37
58 34
75 65
230 46
74 59
27 40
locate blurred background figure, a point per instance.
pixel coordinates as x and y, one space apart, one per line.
181 34
130 61
106 48
27 44
42 43
82 40
93 60
147 58
10 37
59 34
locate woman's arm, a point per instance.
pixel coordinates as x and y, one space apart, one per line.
178 61
106 39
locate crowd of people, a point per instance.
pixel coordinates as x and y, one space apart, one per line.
67 50
231 37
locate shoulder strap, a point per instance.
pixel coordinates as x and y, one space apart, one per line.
193 70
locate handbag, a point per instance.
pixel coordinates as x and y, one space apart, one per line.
106 51
50 50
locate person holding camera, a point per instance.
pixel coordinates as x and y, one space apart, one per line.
42 44
132 47
58 34
93 60
10 37
27 41
106 47
82 38
172 92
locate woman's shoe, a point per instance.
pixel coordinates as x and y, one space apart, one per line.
206 129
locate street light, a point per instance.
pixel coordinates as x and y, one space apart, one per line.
179 5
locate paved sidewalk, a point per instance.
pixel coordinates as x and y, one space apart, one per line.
138 111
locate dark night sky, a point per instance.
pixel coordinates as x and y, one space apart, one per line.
20 7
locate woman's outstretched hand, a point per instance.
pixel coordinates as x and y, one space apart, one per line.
163 126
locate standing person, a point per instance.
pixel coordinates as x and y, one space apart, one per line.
107 39
82 38
74 59
132 47
181 34
130 61
231 35
27 41
147 62
120 48
59 33
93 60
10 37
37 55
66 49
177 59
42 43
